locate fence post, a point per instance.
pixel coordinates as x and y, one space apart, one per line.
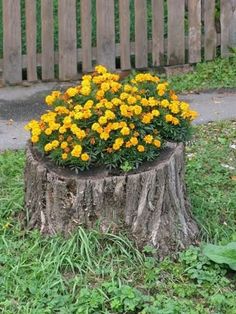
228 26
12 67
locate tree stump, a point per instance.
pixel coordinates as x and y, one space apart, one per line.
151 203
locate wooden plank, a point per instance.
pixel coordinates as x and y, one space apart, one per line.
47 40
157 32
86 35
67 39
141 54
12 71
209 30
176 44
228 26
124 12
194 13
30 12
106 33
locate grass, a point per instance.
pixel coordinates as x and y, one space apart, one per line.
105 273
220 73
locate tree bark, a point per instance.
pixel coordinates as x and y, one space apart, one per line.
150 204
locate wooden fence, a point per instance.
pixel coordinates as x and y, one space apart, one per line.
120 34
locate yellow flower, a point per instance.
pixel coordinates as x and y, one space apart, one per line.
109 115
168 118
127 88
141 148
72 91
102 120
165 103
147 118
105 87
184 106
76 152
34 139
85 90
116 146
88 104
100 94
64 145
124 96
134 141
64 156
80 134
62 130
156 113
137 109
119 141
48 147
49 100
125 131
144 102
84 157
128 144
87 114
104 136
175 121
56 93
55 144
95 126
100 69
48 131
148 139
131 100
157 143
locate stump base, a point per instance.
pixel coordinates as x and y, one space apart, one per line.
151 203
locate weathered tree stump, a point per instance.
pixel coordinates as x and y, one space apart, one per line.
150 204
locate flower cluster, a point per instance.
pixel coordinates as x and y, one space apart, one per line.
106 121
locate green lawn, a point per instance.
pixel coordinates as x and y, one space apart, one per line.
95 273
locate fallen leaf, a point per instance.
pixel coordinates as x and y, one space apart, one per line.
233 178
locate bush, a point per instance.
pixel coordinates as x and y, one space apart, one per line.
104 121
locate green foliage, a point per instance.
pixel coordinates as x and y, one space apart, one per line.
220 73
222 254
104 273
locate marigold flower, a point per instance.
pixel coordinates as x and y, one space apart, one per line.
48 147
49 100
34 139
141 148
84 157
125 131
134 141
102 120
64 156
64 145
104 136
148 139
157 143
72 91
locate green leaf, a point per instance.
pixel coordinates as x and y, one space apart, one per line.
222 254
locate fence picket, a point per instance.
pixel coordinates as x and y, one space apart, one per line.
30 13
67 39
47 40
194 13
124 12
12 42
106 33
157 32
176 38
228 26
141 42
86 35
209 30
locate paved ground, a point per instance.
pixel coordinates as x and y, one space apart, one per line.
20 104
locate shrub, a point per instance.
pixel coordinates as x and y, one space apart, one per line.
104 121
